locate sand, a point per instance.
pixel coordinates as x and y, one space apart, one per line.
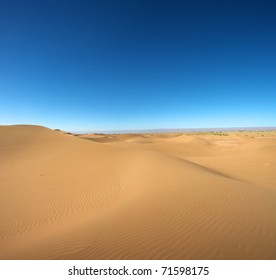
137 196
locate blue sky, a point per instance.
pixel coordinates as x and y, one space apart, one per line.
140 64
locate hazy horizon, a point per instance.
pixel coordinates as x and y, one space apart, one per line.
157 130
139 65
176 130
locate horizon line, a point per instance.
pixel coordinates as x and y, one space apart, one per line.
155 130
176 130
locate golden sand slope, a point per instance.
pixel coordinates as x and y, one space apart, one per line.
161 196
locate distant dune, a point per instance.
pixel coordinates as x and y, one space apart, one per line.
137 196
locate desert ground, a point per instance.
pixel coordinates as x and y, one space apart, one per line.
137 196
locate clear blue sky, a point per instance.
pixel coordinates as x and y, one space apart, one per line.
138 64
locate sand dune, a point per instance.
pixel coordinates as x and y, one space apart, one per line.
134 196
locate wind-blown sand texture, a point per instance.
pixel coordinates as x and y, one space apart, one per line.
134 196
